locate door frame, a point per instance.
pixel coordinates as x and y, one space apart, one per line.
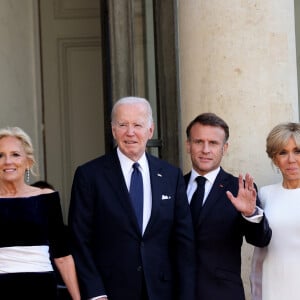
119 71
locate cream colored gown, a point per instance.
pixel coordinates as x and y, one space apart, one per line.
281 259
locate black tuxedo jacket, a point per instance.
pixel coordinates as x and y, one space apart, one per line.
111 255
219 236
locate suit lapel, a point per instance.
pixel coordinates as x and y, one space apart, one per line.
187 179
114 175
217 192
156 180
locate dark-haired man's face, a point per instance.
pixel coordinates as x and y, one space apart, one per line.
206 146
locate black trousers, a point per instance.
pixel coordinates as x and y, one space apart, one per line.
33 286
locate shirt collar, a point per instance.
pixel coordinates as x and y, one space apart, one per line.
210 176
126 163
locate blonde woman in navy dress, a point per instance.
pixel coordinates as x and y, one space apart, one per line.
31 227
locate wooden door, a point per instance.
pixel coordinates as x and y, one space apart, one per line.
72 89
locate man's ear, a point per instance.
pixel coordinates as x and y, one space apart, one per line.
113 129
151 131
188 146
225 148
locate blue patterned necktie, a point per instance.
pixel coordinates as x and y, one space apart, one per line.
197 199
136 193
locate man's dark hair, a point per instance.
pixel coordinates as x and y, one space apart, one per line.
209 119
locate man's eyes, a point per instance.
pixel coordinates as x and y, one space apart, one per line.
127 125
199 142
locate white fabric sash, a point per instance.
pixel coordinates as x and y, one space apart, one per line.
25 259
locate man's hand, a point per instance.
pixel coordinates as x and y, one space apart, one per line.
245 201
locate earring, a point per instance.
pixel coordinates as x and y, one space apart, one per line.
27 174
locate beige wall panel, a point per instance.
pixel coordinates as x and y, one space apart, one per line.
76 9
20 85
81 121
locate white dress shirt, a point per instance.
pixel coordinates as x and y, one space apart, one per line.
126 166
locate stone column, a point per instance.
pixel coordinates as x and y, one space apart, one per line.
238 59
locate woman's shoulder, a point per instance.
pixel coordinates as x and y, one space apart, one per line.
44 194
270 187
47 191
35 191
268 191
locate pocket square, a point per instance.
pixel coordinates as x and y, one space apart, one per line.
164 197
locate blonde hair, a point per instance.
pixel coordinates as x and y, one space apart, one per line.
279 137
22 136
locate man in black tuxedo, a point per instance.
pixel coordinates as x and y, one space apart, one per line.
227 211
132 240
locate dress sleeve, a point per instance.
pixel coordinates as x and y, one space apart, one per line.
256 272
58 234
258 257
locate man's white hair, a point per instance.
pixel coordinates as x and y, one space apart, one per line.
133 100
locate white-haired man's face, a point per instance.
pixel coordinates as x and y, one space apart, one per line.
131 129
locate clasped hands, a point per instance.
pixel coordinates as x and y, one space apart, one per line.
245 201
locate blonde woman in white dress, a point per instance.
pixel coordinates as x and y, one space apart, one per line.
276 268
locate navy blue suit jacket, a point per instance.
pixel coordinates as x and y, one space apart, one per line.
219 236
111 255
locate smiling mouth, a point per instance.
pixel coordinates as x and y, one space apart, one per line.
130 142
9 170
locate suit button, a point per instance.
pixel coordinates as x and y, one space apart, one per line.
139 268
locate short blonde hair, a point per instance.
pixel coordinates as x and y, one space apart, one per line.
21 135
279 137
